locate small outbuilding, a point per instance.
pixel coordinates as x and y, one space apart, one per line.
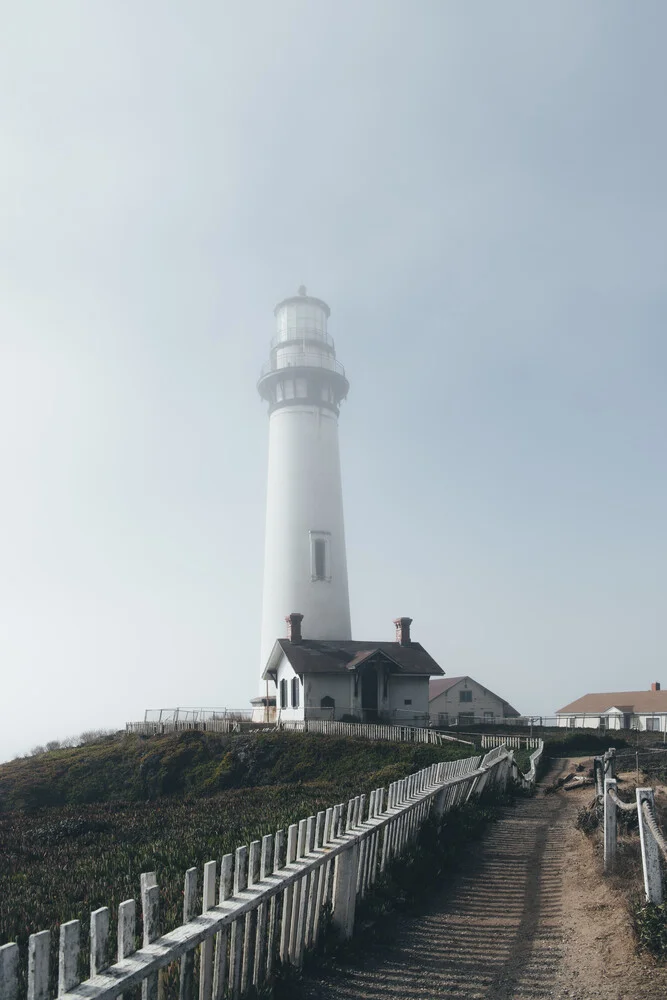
461 701
618 710
351 680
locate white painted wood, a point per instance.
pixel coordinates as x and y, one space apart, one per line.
259 964
286 926
38 965
150 905
344 892
99 939
9 971
127 920
186 984
68 956
222 937
276 902
250 928
206 950
236 938
298 903
610 825
650 850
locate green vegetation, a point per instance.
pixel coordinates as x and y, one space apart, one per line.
650 922
79 825
139 769
576 742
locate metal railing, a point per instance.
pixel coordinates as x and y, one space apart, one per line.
305 359
652 839
302 336
272 897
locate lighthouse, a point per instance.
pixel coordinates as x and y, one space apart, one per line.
305 565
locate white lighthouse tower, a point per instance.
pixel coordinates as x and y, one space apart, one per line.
305 566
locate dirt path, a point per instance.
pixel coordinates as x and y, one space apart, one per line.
527 917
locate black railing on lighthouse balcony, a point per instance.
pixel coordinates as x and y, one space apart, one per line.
303 360
302 336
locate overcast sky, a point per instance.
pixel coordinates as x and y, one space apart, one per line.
477 190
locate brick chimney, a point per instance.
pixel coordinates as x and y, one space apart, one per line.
403 630
294 627
655 686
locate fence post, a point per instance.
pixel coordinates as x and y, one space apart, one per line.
610 825
596 773
345 890
650 852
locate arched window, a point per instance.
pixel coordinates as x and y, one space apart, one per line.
328 703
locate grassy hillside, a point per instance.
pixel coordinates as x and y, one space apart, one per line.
140 769
78 826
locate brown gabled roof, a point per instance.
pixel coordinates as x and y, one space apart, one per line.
326 656
440 684
628 701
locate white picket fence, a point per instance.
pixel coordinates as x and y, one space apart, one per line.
272 897
651 838
373 731
515 742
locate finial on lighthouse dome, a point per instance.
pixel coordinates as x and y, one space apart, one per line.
302 290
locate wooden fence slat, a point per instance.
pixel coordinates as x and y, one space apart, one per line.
99 940
68 955
38 965
206 950
9 971
254 864
127 920
262 914
275 904
150 905
236 940
187 980
286 924
222 937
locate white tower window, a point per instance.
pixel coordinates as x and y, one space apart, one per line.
320 555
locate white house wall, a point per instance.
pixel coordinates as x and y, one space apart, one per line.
337 686
289 714
448 703
402 688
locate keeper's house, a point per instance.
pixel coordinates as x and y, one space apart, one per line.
618 710
462 701
351 680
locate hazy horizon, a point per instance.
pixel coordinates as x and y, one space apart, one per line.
479 195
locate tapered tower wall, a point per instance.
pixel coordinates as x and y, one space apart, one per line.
305 564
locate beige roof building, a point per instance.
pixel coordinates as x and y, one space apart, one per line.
618 710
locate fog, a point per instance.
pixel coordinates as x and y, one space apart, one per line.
477 190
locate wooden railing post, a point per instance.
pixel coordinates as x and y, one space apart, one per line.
345 890
610 825
650 850
9 971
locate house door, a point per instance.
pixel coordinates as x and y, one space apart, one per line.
369 695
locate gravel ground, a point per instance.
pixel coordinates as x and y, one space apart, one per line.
528 916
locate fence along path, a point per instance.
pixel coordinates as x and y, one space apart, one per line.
651 838
271 896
